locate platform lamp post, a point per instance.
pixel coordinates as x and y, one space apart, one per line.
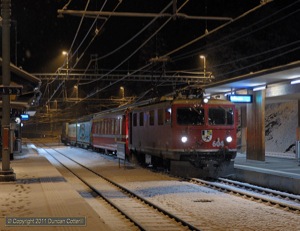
16 38
16 41
67 64
6 173
122 89
204 65
65 53
76 91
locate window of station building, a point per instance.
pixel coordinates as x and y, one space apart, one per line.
141 118
160 116
134 119
151 117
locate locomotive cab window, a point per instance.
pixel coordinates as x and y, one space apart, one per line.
160 116
168 116
151 117
190 116
220 116
141 118
134 119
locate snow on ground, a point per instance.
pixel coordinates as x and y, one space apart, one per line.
212 209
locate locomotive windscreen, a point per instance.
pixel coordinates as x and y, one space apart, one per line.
190 116
220 116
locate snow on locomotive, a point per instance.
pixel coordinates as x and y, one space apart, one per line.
188 136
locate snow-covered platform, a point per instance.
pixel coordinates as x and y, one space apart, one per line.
278 173
41 199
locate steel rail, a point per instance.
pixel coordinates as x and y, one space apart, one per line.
150 204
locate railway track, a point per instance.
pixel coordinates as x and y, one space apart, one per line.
202 206
140 212
286 201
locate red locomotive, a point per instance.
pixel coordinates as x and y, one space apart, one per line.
192 137
189 136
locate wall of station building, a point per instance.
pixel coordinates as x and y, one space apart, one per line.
281 121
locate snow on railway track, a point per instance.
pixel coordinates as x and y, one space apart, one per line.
264 195
140 211
205 207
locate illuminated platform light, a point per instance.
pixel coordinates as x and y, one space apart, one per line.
295 81
228 93
259 88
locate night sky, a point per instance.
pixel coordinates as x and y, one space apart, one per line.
42 35
265 38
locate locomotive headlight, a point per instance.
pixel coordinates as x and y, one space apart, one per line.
184 139
228 139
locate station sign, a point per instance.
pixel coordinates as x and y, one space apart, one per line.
240 98
10 90
121 150
24 117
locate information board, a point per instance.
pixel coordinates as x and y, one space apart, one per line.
121 150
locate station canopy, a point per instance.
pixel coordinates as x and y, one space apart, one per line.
30 85
277 81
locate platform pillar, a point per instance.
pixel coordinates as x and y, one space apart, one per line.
243 138
256 127
298 125
298 135
6 173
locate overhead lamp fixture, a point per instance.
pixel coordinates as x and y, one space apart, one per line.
228 93
295 81
259 88
31 113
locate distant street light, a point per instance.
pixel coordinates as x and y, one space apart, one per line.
76 91
204 64
67 64
55 104
67 73
122 92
